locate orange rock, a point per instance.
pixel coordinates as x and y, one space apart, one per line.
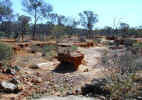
16 49
74 58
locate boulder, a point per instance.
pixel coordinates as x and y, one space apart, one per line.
34 66
36 80
47 64
90 43
71 57
8 87
71 97
83 44
42 65
14 81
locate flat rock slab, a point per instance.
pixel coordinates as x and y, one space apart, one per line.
66 98
48 65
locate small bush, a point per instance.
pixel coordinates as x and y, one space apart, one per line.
122 87
123 63
139 45
121 81
97 41
36 48
49 48
73 48
6 52
49 51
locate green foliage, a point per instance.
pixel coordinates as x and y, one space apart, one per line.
139 45
88 19
49 48
73 48
124 63
122 86
36 48
2 34
37 9
97 41
5 9
49 51
5 52
121 80
58 31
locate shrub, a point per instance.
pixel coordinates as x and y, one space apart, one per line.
122 87
48 48
97 41
36 48
121 81
73 48
6 52
49 51
139 45
123 63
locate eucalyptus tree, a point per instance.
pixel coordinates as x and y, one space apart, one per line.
37 9
24 24
124 27
71 24
87 20
5 10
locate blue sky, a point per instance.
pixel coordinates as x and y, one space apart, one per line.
128 11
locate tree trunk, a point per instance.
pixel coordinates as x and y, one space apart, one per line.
16 36
22 36
90 33
35 21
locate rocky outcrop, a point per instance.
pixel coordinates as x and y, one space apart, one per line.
67 54
16 49
66 98
23 45
85 44
74 58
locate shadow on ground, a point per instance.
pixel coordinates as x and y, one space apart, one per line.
65 67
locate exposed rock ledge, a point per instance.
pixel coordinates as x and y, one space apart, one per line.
66 98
